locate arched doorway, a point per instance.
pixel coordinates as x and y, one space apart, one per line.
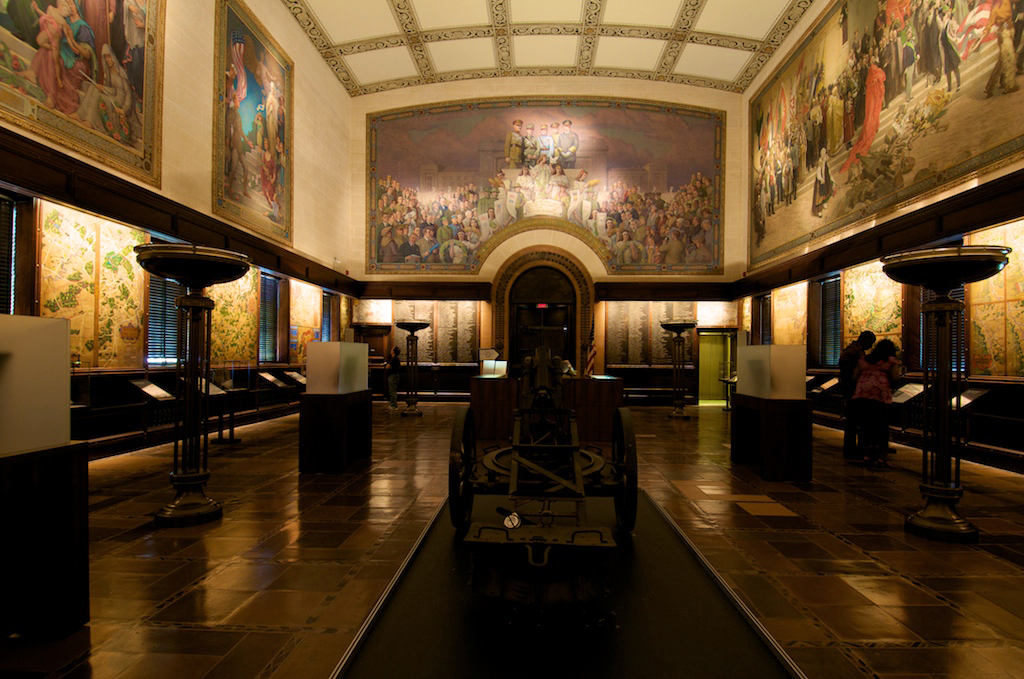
542 312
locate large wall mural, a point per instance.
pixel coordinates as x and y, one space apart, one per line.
252 122
884 101
88 75
640 182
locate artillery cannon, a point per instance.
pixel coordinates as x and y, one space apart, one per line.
540 491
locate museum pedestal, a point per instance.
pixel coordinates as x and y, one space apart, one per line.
493 399
595 400
44 502
335 431
774 435
941 270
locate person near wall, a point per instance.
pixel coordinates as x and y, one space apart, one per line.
394 368
875 375
848 362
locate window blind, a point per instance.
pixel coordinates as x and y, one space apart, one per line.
831 323
269 291
162 327
6 256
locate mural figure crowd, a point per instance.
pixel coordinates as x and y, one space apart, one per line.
628 224
844 124
83 59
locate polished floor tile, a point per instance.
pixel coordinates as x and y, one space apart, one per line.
278 588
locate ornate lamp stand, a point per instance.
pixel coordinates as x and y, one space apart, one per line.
679 355
195 268
941 270
412 362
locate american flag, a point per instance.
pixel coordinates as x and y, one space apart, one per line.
238 57
591 352
973 31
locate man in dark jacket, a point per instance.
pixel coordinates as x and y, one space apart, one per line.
848 361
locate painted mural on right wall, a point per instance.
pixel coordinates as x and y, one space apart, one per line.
996 308
882 103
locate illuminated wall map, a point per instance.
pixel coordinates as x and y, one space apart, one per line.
789 314
88 275
235 331
996 308
871 301
306 311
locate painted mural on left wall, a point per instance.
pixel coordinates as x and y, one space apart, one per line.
252 123
87 74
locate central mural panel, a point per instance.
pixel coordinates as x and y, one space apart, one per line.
639 182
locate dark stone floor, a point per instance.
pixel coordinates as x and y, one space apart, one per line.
279 587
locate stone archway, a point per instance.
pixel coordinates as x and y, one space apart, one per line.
564 262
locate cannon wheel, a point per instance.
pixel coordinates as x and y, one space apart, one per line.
624 459
461 460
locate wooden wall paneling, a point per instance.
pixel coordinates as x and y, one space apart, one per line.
26 243
284 319
425 290
814 324
122 206
31 167
628 291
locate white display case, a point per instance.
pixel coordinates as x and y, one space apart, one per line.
337 367
35 384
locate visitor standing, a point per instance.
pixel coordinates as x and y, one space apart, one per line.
394 366
848 362
875 375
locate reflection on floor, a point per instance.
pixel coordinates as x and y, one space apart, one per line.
278 588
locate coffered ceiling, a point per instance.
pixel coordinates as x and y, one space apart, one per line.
378 45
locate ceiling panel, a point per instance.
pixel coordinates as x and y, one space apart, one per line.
473 54
434 14
390 63
708 61
545 50
755 21
373 20
635 54
661 13
378 45
545 11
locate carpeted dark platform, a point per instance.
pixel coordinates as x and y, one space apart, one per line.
665 616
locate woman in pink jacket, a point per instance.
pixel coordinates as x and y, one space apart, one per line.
875 375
